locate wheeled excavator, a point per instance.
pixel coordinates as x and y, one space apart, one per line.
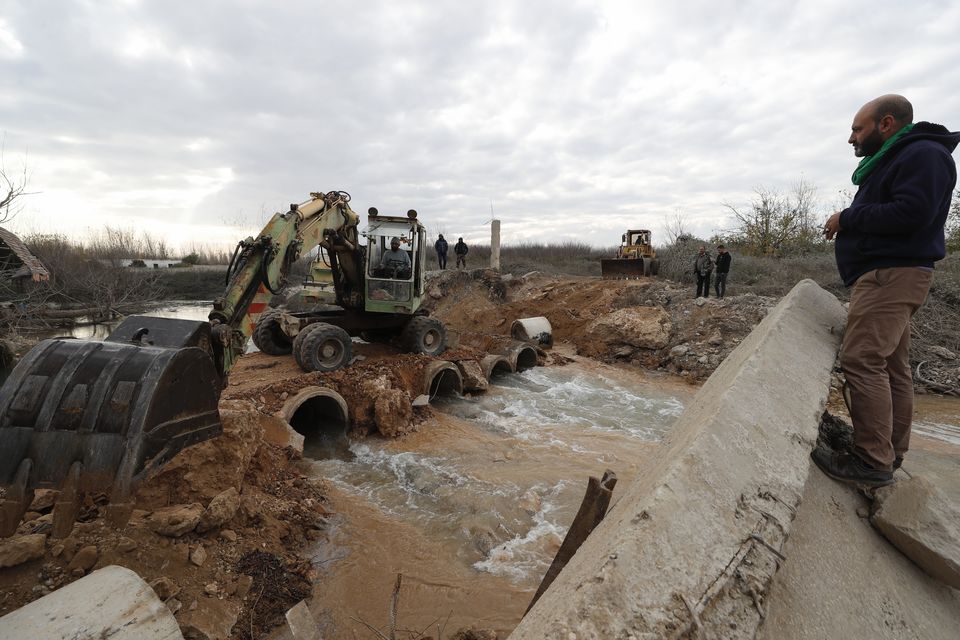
84 416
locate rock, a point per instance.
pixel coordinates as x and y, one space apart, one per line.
212 621
641 327
30 516
435 293
392 413
472 374
920 520
70 546
84 560
715 338
220 510
679 351
199 555
863 512
421 400
15 551
211 589
126 545
700 302
472 633
174 605
703 360
483 540
301 623
165 588
244 583
624 351
43 499
175 521
181 553
229 535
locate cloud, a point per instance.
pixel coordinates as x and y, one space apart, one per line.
575 120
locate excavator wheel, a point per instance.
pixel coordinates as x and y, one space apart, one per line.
424 335
269 337
324 347
298 348
654 267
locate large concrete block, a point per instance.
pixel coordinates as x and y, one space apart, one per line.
919 520
112 602
693 542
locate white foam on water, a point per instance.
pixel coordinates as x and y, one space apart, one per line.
939 430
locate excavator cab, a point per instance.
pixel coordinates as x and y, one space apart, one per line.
394 285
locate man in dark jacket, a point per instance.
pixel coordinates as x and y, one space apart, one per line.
887 241
723 268
441 247
461 250
702 268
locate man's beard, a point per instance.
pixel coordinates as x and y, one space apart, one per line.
870 145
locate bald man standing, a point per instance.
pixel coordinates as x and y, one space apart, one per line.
887 241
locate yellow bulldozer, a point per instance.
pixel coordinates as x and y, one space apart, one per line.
635 258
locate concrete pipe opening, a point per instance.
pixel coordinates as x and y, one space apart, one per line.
537 330
320 416
525 358
442 378
496 365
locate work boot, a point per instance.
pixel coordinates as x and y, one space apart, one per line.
848 467
897 462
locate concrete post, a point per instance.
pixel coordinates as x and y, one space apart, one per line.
495 244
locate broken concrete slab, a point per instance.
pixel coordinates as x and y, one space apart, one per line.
301 622
918 519
113 602
692 544
841 578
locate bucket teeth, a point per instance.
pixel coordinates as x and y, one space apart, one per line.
67 506
18 499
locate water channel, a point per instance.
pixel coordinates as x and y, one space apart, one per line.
472 507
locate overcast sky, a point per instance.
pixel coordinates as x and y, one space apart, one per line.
573 120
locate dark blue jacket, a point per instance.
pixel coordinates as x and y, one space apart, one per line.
898 214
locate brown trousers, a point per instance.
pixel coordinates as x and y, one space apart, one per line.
875 359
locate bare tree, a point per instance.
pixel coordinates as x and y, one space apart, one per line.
673 227
776 223
953 224
12 189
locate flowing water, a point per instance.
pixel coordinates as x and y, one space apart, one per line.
472 507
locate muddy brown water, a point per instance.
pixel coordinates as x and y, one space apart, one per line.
472 507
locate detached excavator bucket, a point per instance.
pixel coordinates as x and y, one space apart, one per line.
624 268
82 416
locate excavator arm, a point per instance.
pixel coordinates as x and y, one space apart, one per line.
83 416
260 266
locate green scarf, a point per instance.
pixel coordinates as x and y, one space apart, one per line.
869 163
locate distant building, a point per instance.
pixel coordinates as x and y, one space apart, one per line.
17 264
150 263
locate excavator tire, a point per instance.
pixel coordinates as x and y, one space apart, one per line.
424 335
654 267
325 347
82 416
298 348
269 337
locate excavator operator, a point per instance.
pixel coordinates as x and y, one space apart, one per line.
396 262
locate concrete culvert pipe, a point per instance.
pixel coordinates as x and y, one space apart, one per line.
537 330
523 358
441 378
496 365
315 411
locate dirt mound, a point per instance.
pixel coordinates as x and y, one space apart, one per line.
650 323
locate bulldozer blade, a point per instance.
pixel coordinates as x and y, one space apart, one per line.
82 416
622 269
